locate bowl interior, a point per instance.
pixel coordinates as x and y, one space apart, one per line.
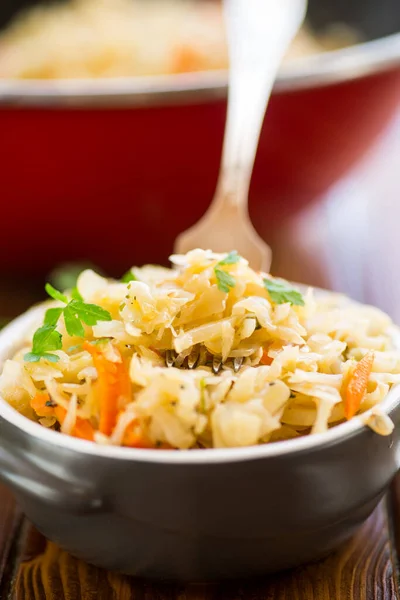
11 339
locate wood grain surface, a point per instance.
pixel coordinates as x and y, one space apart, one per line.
33 569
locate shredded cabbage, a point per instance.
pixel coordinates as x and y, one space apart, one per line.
151 376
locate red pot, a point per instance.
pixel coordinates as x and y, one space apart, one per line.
112 171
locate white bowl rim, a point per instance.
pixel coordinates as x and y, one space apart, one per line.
10 339
358 60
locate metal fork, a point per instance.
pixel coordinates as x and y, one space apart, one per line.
194 359
259 33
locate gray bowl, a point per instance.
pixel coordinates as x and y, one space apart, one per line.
195 515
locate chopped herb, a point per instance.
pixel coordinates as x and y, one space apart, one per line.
129 276
122 306
73 348
72 322
32 357
230 259
90 313
75 295
75 312
281 292
50 403
292 395
45 339
225 281
52 315
102 340
55 294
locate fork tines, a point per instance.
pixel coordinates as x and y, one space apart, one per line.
196 357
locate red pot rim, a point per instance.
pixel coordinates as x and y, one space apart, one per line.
323 69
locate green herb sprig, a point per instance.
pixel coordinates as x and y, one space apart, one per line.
230 259
76 312
45 339
225 281
281 292
129 276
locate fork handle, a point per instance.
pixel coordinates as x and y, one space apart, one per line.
259 33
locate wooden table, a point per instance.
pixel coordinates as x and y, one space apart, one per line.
364 569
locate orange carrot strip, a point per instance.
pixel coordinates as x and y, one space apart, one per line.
186 59
265 359
357 385
134 437
60 413
38 403
82 429
112 387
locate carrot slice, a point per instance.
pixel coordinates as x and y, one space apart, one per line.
82 429
60 413
38 403
186 59
134 437
113 387
265 359
357 385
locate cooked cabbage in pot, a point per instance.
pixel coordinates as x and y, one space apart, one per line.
120 38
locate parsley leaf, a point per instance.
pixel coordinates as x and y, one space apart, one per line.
129 276
90 313
52 315
72 322
225 281
31 357
75 295
75 312
98 341
230 259
55 294
53 358
281 292
45 339
74 348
